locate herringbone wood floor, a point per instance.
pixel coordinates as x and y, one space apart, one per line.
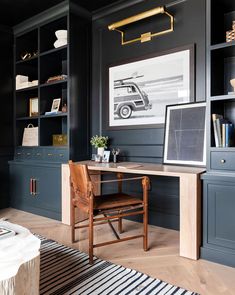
161 261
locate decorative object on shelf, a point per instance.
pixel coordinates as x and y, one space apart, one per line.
61 38
146 14
184 140
98 158
33 107
232 82
23 82
25 55
99 142
28 55
55 105
106 155
115 152
59 139
139 91
30 136
64 108
56 78
230 35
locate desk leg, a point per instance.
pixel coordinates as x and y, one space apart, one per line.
66 195
190 215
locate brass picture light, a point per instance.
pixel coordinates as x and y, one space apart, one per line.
146 36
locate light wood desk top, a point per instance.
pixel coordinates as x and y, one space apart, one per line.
189 195
143 168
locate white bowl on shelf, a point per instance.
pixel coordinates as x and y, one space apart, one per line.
59 43
61 34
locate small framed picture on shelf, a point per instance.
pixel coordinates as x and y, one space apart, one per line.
55 105
33 107
106 155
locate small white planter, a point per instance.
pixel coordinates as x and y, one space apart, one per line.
100 151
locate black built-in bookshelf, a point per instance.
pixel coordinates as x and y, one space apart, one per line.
219 182
41 164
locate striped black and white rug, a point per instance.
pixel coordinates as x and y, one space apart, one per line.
67 271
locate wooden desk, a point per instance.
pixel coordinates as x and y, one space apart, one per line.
190 197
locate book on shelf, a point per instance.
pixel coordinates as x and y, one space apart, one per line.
223 131
229 134
6 232
217 133
52 113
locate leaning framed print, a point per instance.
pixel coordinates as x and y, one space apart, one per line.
139 90
185 134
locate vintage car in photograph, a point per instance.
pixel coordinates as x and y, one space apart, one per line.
128 98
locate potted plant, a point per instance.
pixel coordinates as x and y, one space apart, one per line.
99 142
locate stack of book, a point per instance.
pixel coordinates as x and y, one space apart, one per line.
223 131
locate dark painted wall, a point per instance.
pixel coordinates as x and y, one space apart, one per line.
146 145
6 111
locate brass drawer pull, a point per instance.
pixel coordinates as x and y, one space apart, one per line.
18 153
38 154
222 161
28 154
50 155
61 155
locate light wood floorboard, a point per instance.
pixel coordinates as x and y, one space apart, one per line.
162 261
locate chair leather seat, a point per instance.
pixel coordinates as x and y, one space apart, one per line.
111 201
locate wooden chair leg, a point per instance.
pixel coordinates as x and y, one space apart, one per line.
120 230
145 239
91 238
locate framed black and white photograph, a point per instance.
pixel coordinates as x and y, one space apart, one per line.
55 105
140 90
106 156
185 134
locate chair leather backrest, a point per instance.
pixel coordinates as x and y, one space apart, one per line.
80 184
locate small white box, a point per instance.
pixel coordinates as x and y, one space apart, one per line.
21 79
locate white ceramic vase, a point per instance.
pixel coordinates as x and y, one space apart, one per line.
100 151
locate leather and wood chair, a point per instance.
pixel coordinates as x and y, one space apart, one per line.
111 207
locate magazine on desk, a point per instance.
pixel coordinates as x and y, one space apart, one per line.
6 232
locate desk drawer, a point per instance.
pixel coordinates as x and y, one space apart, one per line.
56 155
223 160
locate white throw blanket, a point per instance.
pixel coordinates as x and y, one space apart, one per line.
16 250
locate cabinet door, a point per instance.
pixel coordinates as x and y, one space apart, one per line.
47 188
45 198
20 186
221 215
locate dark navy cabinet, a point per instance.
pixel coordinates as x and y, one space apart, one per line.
219 218
36 188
